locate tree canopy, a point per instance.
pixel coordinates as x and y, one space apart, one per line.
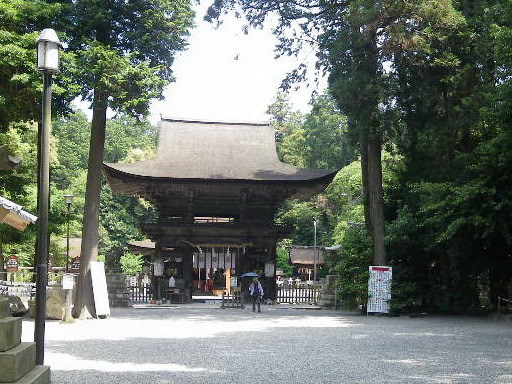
429 82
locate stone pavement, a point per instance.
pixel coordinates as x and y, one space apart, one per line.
198 343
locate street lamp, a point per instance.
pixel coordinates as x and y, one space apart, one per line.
69 201
48 58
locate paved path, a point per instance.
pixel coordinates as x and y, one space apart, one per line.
196 344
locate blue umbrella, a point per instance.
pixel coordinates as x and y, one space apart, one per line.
250 274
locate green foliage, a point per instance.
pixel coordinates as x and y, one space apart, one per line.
345 193
125 51
20 83
326 136
318 139
131 264
125 136
20 139
130 84
120 216
290 140
72 137
20 187
352 267
120 219
299 216
283 257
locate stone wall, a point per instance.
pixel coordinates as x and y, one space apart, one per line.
17 359
118 292
327 297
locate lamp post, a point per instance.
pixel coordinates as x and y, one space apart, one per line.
69 201
48 56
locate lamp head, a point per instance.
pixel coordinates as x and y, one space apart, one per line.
69 199
48 51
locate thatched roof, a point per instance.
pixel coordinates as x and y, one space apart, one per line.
306 255
198 150
144 247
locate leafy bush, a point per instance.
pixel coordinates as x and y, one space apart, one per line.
352 267
131 264
283 257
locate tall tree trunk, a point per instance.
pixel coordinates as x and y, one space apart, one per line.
84 307
371 165
371 140
364 178
2 268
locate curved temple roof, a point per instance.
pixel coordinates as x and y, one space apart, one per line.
198 150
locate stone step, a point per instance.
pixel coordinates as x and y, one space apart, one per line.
17 362
10 333
39 375
4 307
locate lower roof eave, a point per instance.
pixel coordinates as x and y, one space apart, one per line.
129 184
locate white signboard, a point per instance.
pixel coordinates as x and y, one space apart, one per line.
379 289
99 288
269 269
68 281
158 268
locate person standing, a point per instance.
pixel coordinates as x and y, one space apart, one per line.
256 292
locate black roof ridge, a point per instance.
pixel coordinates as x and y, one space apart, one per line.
200 121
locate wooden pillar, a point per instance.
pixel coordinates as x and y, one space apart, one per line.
271 280
156 281
187 270
190 207
227 283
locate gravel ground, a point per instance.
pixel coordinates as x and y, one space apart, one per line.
200 344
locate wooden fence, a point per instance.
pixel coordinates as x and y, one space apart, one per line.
141 293
294 293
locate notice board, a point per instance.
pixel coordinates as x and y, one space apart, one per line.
99 288
379 289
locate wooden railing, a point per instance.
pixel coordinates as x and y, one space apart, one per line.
140 293
298 293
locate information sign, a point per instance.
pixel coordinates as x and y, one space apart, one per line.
379 289
269 269
158 268
68 281
99 288
75 265
11 264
